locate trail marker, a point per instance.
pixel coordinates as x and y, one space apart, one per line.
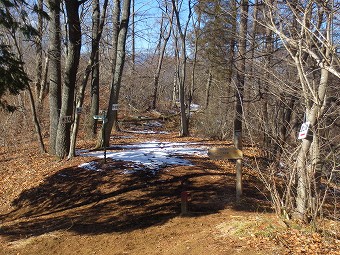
225 153
98 117
304 130
115 107
104 120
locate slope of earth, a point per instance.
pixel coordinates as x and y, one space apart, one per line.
57 207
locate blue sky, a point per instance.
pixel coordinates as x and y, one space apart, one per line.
146 24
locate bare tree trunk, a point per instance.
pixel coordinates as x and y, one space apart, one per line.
119 59
35 121
264 93
33 108
309 43
194 62
72 63
232 43
207 89
240 81
54 71
94 61
133 41
165 38
304 178
116 19
43 85
93 65
253 36
286 122
175 88
182 31
39 53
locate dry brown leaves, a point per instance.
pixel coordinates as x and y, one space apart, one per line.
302 242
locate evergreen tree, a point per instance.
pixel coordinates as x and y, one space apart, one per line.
13 78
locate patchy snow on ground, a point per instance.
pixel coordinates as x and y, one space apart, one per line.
151 156
147 132
94 166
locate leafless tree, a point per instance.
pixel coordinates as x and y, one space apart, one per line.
308 41
69 85
93 65
239 91
121 18
182 64
164 35
54 52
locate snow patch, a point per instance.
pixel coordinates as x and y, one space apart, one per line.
93 166
149 156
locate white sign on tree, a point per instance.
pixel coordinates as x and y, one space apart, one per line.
115 107
304 130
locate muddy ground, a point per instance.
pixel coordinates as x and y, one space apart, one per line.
56 207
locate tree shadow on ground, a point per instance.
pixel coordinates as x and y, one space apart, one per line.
110 200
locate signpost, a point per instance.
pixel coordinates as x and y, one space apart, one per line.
104 120
225 153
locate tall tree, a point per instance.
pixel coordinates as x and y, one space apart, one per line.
41 86
196 34
121 18
164 36
309 43
39 49
240 81
92 67
182 64
69 85
133 37
54 52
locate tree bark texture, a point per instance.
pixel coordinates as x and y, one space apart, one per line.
39 52
71 68
54 52
240 81
92 65
95 66
119 60
182 62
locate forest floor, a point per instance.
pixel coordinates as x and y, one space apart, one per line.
60 207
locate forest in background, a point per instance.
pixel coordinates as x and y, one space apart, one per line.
257 69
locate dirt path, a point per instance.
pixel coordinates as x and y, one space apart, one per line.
50 207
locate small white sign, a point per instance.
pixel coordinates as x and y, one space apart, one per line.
304 130
114 107
98 117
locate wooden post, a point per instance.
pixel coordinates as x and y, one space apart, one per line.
184 203
224 153
239 186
